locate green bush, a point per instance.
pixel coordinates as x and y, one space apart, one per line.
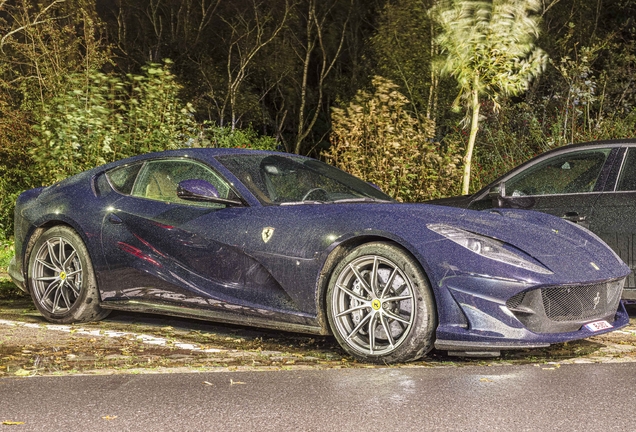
105 118
377 139
6 253
17 171
225 137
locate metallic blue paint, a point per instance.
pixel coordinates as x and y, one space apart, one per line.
199 259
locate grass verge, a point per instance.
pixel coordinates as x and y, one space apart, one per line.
8 291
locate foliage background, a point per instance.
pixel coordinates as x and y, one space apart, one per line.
376 138
83 82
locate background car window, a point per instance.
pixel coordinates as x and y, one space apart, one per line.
570 173
123 178
627 180
159 180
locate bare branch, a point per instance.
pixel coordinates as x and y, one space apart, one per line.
35 22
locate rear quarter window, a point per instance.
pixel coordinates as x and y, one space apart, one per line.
122 179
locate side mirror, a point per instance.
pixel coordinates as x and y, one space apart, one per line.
497 191
201 190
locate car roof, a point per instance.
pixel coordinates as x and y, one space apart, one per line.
603 143
204 154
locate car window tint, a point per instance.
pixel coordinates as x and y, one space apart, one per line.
159 180
123 178
627 179
575 172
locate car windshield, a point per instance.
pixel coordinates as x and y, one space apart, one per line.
288 180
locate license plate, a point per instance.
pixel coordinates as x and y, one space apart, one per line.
598 325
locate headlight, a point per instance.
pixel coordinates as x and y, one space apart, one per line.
486 247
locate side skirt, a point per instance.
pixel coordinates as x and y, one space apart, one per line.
462 346
211 315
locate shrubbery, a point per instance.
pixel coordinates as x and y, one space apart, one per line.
225 137
105 118
376 138
17 170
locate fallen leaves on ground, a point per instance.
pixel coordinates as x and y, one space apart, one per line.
36 350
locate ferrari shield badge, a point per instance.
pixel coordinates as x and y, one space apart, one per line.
267 234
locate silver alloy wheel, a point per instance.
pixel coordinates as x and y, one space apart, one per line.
57 276
373 305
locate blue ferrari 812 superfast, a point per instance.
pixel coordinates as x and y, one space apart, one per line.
286 242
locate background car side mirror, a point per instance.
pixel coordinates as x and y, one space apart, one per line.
201 190
496 191
496 194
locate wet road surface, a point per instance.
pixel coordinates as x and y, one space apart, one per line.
578 397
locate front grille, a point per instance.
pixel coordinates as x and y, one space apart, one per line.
565 308
582 302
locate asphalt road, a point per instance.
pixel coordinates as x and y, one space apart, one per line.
589 397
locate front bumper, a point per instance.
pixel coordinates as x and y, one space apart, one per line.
531 317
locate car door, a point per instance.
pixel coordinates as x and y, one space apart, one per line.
160 247
614 217
566 185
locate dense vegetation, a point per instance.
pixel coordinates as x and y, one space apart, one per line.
357 82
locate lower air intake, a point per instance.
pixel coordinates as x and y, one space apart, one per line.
565 308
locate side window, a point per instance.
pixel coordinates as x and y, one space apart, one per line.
123 178
159 180
575 172
627 179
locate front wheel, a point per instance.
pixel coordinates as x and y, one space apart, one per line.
380 306
61 279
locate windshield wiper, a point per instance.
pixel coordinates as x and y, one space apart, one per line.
339 201
303 202
362 200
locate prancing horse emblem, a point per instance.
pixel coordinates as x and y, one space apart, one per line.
267 234
597 299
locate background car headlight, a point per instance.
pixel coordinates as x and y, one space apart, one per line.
486 246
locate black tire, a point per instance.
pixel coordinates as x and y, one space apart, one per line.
61 279
386 318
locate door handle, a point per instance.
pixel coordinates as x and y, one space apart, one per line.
114 219
574 217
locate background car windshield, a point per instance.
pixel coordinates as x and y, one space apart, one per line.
575 172
276 179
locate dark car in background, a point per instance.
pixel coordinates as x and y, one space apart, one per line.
592 184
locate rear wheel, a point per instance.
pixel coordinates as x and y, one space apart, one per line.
61 279
380 306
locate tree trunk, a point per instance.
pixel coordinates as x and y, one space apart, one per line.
474 127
